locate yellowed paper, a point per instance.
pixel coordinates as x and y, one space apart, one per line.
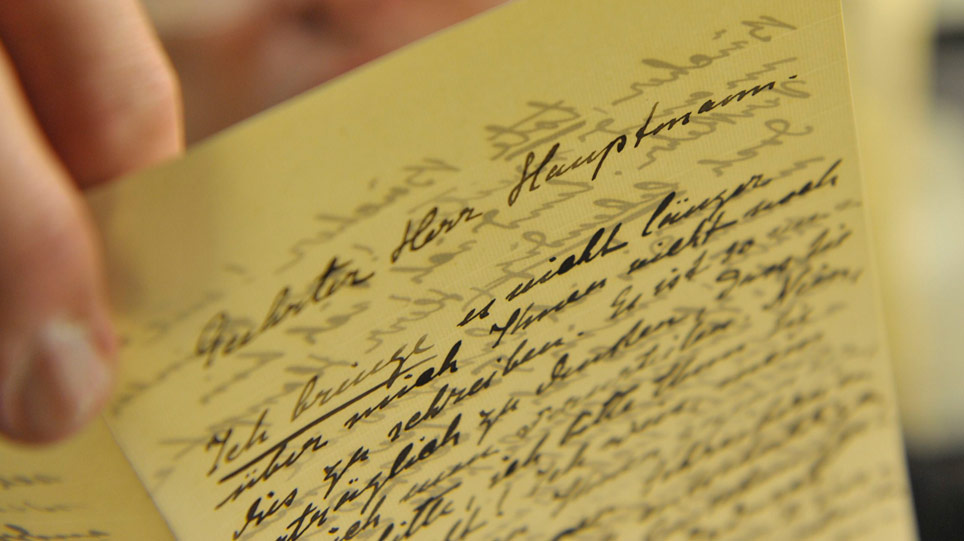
574 270
83 489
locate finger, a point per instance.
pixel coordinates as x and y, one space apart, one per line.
98 81
55 337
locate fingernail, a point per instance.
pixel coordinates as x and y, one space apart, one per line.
58 385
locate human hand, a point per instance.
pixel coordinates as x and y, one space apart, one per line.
86 94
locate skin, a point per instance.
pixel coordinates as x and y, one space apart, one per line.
87 94
79 108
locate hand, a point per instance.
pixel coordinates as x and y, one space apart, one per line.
86 94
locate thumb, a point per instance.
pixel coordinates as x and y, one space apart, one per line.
86 94
56 342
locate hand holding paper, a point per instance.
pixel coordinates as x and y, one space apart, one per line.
569 271
86 95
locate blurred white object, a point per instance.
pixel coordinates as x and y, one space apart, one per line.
915 171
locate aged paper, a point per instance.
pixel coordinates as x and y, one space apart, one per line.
573 270
83 490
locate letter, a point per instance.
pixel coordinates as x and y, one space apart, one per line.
619 143
663 205
532 177
578 270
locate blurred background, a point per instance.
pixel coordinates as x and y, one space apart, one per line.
907 69
238 57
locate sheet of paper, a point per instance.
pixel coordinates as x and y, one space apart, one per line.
573 270
83 489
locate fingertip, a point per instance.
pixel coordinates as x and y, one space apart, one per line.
99 84
136 124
